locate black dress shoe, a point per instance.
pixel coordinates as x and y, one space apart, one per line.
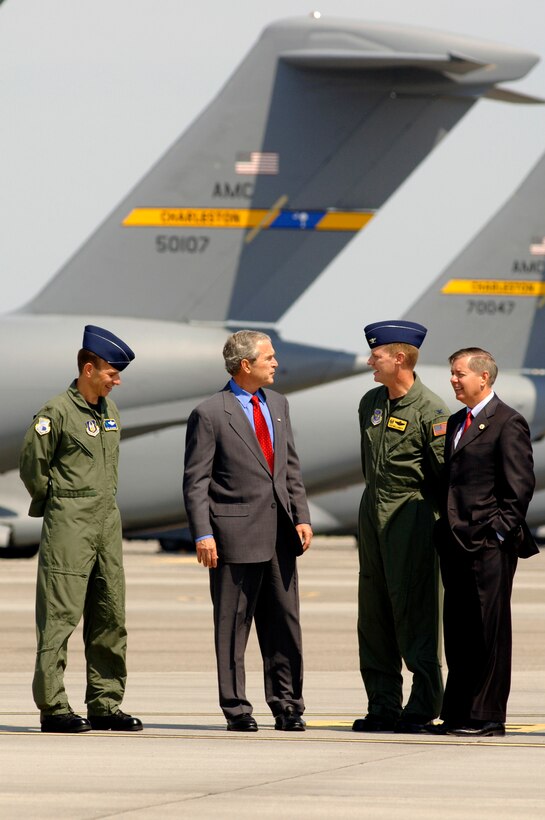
411 726
117 722
488 729
437 728
68 722
289 721
242 723
373 723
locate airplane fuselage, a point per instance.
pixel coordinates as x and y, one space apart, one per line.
176 365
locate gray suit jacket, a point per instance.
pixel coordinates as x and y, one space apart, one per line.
228 487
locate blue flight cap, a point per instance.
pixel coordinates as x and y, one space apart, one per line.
384 333
108 346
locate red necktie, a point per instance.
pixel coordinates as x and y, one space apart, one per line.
467 422
262 433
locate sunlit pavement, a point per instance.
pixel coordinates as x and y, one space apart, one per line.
185 764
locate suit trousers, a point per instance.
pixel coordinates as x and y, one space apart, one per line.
477 627
266 592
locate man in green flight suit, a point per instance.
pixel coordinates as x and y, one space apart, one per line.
403 427
69 466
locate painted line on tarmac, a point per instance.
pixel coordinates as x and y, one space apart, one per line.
527 728
329 723
296 737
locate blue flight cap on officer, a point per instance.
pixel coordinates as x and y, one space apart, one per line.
109 347
384 333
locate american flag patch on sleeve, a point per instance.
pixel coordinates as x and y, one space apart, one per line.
439 429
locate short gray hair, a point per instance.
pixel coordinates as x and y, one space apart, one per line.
242 345
479 361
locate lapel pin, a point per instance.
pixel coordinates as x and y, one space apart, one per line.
482 426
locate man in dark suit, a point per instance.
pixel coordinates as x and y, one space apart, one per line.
248 514
481 534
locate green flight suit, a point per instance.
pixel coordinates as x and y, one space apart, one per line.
69 466
402 453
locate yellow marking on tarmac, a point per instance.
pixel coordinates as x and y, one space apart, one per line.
494 287
269 217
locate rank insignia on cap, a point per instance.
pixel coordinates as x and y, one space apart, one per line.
376 418
385 333
43 426
92 428
439 429
110 424
397 424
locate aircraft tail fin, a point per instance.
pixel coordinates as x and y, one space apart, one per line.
320 123
493 294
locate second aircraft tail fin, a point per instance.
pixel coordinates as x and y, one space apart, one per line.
493 294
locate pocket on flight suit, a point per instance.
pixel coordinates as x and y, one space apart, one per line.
66 595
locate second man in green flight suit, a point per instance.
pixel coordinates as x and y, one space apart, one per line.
403 427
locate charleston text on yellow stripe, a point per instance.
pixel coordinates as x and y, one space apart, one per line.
494 287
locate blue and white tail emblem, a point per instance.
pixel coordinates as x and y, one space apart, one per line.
110 424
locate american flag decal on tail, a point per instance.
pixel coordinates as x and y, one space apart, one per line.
257 162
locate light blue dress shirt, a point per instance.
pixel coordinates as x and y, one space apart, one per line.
245 400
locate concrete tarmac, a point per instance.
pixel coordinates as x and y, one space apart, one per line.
186 765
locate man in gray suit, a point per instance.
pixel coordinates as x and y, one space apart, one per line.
248 514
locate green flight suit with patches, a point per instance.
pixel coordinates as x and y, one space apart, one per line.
402 446
69 466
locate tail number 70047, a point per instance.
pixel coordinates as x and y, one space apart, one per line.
490 307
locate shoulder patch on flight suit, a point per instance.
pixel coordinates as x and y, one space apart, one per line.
376 418
440 428
43 426
110 424
92 428
397 424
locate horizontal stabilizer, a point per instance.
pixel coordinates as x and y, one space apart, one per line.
509 96
354 60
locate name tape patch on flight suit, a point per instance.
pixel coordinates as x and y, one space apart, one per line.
397 424
440 428
92 428
110 424
43 426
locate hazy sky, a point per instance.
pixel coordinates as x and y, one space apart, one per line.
91 94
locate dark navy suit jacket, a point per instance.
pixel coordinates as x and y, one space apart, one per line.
490 479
